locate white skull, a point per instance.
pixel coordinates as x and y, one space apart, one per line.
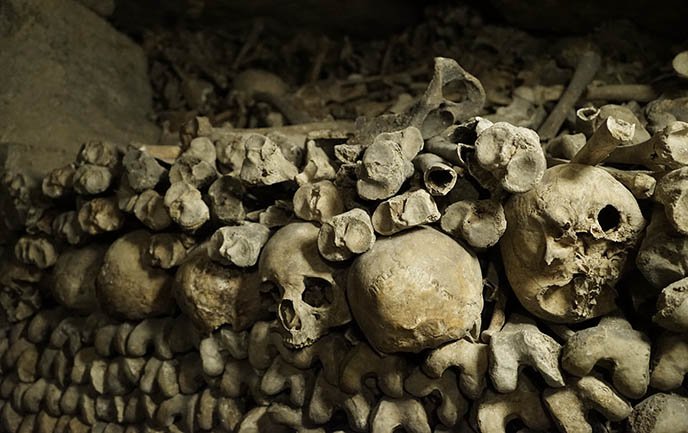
567 241
311 298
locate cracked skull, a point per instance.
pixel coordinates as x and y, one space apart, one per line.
416 290
567 241
311 299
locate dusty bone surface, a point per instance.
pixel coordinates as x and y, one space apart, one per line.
346 234
613 339
421 267
561 271
271 315
518 344
570 406
310 290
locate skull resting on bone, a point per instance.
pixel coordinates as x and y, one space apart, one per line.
567 242
415 290
311 299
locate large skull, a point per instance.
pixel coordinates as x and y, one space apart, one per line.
415 290
567 241
311 299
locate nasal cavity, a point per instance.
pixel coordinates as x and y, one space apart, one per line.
608 218
288 316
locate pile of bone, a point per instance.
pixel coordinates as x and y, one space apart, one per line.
350 280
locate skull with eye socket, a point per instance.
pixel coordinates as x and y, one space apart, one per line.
310 298
567 241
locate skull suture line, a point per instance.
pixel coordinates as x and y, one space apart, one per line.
567 241
416 290
311 299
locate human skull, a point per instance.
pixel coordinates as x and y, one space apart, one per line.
311 298
415 290
567 241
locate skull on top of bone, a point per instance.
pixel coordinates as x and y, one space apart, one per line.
567 241
416 290
311 297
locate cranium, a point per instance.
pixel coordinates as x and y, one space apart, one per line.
415 290
311 298
567 241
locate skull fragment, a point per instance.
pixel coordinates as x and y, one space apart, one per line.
308 289
567 241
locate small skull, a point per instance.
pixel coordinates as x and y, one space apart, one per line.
567 241
311 298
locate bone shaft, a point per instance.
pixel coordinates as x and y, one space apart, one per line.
586 69
622 93
606 138
640 183
438 176
587 119
444 148
284 106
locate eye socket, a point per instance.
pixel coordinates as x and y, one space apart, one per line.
608 218
318 292
270 295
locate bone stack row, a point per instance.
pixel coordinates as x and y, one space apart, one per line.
168 302
91 373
